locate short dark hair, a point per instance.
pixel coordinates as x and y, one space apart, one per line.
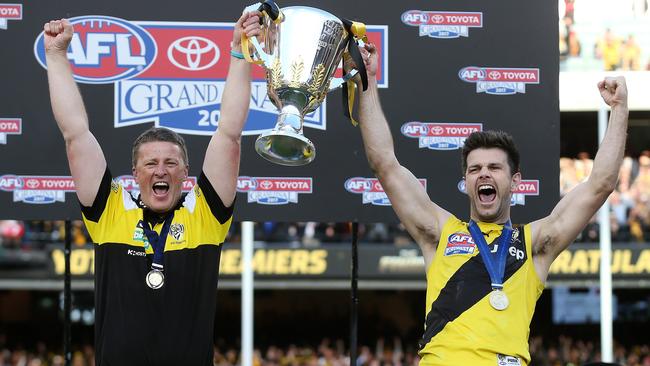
492 139
158 134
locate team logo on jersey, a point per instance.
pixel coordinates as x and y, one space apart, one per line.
440 136
10 126
371 190
443 24
272 190
499 80
177 231
173 74
129 184
10 12
35 189
527 187
459 244
138 234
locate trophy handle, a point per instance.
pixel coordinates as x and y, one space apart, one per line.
270 9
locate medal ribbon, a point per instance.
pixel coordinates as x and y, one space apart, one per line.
496 267
158 241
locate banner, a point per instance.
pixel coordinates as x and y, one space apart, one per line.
444 71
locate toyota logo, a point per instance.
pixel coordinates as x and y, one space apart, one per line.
193 53
495 75
266 184
437 130
437 18
32 183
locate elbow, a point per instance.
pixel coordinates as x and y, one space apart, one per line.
604 186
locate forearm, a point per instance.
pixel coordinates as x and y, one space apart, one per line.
67 103
236 98
610 153
377 138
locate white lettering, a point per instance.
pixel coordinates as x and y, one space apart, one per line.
9 12
462 19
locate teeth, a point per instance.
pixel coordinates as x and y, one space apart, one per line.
485 186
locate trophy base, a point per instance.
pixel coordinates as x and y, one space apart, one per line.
285 148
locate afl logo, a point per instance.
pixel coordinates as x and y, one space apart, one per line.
104 49
193 53
472 74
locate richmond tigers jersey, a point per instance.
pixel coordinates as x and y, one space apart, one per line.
461 327
173 325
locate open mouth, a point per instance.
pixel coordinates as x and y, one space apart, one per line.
160 188
486 193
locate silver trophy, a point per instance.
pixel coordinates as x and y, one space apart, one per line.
301 49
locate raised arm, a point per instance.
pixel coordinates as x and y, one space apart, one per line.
85 156
221 164
422 218
554 233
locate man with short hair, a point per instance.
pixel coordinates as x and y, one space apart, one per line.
157 255
480 300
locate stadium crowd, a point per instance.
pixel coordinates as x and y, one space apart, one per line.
561 351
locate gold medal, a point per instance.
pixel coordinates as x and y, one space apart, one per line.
499 300
155 279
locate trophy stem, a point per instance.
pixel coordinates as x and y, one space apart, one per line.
285 144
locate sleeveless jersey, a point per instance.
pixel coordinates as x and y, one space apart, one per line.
462 328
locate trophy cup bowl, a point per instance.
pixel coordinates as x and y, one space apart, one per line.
301 49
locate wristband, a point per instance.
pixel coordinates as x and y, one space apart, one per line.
236 54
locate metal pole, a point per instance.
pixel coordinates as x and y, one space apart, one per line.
606 319
67 294
247 293
354 304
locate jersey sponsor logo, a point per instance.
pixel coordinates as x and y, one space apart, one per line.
176 71
460 243
10 126
499 80
440 136
34 189
136 253
274 190
138 234
505 360
527 187
105 49
443 24
10 12
371 190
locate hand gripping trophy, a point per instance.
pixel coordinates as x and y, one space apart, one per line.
300 50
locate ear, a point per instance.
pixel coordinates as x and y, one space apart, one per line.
134 172
516 179
187 170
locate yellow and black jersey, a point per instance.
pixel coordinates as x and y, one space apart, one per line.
461 326
173 325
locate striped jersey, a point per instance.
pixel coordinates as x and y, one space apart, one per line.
461 327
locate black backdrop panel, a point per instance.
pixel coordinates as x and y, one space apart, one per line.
448 68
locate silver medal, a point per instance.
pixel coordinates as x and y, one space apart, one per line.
499 300
155 279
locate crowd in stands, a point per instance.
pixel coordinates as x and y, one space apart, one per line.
614 48
629 203
561 351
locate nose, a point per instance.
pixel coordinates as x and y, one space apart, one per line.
160 170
